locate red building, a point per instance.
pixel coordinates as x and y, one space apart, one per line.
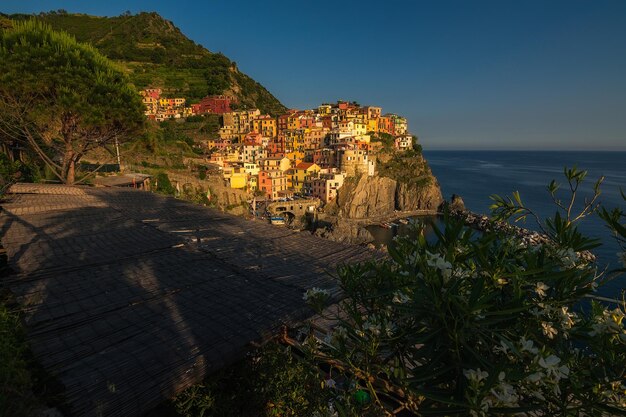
327 122
276 147
213 104
282 122
154 93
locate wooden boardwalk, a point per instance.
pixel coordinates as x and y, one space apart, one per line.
131 297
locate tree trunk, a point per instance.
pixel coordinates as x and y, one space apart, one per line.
70 172
68 163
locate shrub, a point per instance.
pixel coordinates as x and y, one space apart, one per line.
270 382
163 184
483 324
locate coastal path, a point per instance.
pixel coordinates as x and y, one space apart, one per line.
129 297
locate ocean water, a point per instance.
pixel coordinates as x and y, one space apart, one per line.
475 175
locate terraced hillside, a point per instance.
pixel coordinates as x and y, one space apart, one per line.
157 54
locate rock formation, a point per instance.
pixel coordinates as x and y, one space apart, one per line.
378 198
345 231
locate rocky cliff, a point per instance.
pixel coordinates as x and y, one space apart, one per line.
403 184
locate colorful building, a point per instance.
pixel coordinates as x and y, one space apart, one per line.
273 183
301 177
213 104
327 185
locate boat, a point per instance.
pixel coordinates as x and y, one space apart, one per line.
385 225
393 224
277 220
403 221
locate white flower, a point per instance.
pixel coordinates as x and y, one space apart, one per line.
314 292
389 328
548 329
527 346
373 328
551 365
541 289
504 393
400 298
435 260
504 348
475 375
536 377
609 322
568 257
567 318
330 383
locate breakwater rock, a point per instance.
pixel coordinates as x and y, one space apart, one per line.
527 237
345 231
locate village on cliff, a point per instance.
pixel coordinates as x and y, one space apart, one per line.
308 153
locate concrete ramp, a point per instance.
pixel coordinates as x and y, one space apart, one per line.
130 297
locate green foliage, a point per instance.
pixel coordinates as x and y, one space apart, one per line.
270 382
195 119
163 184
416 145
62 98
407 168
561 228
14 171
386 139
482 324
16 385
615 220
157 53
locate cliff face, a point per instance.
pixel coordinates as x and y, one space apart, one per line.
366 197
414 197
403 184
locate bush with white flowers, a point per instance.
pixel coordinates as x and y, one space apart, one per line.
482 324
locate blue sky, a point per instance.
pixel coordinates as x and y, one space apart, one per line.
467 74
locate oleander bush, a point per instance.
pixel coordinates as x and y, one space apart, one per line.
481 324
271 382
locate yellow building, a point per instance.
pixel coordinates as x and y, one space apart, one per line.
253 183
372 125
359 127
295 156
302 176
151 105
235 177
293 121
324 109
274 163
266 126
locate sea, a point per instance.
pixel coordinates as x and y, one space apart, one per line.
476 175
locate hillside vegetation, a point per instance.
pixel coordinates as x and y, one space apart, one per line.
155 53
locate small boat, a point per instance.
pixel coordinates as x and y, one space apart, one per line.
277 220
403 221
385 225
393 224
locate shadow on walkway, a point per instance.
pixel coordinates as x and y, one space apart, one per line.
130 297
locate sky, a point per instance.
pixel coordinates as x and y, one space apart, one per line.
467 74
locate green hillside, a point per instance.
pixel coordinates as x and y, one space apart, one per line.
157 54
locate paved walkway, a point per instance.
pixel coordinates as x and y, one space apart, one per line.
130 297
